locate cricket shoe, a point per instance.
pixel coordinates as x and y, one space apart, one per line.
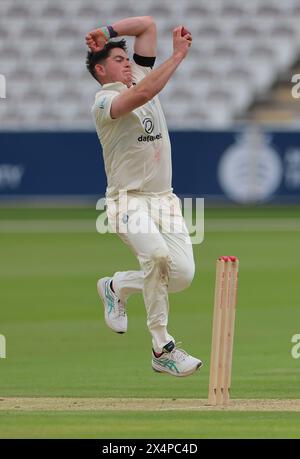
175 361
114 309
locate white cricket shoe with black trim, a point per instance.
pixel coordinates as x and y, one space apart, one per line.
175 361
114 309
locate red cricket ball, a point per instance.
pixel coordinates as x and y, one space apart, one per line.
185 31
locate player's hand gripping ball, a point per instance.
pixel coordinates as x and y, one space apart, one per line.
185 32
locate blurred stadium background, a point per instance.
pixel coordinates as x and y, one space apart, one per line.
234 122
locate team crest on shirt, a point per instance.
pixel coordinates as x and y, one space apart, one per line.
148 125
149 128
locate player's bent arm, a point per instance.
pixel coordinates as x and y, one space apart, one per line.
141 27
144 29
146 89
154 82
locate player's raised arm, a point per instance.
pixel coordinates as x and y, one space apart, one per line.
143 28
156 80
117 67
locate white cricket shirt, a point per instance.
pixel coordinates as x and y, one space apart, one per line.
136 147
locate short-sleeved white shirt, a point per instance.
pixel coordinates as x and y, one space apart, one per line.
136 147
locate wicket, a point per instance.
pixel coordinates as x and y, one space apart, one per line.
223 330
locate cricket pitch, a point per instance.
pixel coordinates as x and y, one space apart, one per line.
141 404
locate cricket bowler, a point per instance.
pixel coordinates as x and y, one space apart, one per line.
140 202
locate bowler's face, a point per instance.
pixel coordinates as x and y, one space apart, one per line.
118 67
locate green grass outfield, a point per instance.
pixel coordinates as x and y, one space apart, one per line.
59 346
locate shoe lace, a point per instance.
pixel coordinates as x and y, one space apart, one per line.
178 354
120 307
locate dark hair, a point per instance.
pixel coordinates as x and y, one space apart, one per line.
94 58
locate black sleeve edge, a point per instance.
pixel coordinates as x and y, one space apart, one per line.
144 61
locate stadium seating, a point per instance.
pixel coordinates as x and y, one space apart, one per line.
239 50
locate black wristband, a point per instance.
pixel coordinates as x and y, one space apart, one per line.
112 32
144 61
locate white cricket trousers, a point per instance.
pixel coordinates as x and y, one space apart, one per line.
153 227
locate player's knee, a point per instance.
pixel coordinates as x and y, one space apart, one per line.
184 276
